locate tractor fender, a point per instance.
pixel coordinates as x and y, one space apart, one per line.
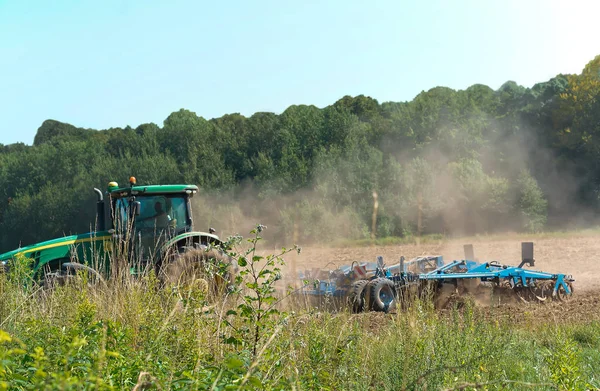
75 266
191 240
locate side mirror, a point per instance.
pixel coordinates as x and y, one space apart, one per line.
137 208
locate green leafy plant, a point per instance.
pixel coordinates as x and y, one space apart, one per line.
256 285
565 363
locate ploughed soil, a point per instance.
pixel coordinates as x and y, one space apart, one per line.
582 307
577 255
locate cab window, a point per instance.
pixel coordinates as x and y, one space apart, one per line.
121 214
161 212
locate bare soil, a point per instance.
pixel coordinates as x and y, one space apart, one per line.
582 307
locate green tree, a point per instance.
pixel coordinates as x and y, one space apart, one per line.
531 203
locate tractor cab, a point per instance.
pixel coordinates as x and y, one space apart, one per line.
146 217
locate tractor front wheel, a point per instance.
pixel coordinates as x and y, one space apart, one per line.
69 272
209 267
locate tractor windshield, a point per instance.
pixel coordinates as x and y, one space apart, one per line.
162 212
157 212
157 218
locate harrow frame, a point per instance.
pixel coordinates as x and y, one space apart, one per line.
340 284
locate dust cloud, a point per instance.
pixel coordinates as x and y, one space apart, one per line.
465 185
473 185
297 218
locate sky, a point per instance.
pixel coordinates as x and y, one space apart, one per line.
113 63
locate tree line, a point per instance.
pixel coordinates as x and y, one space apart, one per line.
453 162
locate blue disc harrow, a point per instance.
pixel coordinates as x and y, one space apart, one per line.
365 286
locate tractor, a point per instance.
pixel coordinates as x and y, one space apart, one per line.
144 227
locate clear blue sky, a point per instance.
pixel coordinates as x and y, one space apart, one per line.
110 63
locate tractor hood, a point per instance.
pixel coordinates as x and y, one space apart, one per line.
58 242
88 237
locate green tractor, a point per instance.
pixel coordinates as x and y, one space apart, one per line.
148 226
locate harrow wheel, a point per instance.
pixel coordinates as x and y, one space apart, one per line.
562 295
529 293
543 290
523 293
382 295
356 296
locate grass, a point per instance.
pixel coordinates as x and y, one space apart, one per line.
73 338
134 334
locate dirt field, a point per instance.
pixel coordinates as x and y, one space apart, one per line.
575 255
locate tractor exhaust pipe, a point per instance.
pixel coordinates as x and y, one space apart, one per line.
99 193
100 213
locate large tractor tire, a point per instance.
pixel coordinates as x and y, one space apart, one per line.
382 295
209 268
356 296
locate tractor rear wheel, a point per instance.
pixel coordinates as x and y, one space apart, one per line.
210 268
382 295
356 296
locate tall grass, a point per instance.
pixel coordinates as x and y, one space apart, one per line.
133 333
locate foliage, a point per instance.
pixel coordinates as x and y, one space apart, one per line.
454 156
531 202
130 335
256 286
